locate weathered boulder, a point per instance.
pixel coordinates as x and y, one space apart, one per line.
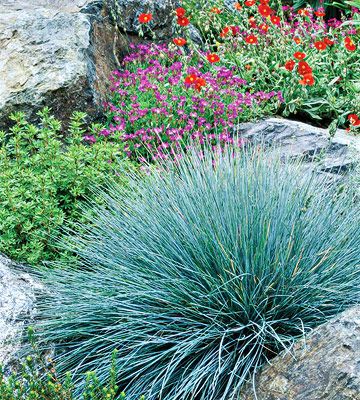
61 53
17 304
126 14
326 368
56 53
297 139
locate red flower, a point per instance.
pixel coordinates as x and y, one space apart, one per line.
289 65
213 58
238 6
250 3
264 27
183 21
304 12
320 45
308 80
194 80
251 39
354 119
299 55
329 42
225 31
252 22
264 10
180 12
235 30
180 41
349 44
199 83
275 20
215 10
297 40
320 12
264 1
145 18
190 79
304 68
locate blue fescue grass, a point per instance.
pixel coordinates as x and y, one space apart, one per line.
202 272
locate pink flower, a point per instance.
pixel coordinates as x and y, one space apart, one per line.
89 138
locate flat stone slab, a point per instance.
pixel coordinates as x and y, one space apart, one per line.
63 5
296 139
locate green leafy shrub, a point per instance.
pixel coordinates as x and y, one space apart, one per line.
36 379
202 272
44 178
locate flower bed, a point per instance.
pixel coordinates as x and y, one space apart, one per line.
165 97
257 58
313 62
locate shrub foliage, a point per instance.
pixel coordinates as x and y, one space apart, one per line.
203 272
35 378
45 175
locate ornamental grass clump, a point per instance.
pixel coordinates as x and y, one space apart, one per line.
203 272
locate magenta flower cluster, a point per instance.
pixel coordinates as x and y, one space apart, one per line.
311 23
155 112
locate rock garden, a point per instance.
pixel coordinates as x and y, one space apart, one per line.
179 200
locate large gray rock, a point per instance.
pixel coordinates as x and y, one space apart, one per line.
326 368
126 14
61 53
57 53
17 300
297 139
